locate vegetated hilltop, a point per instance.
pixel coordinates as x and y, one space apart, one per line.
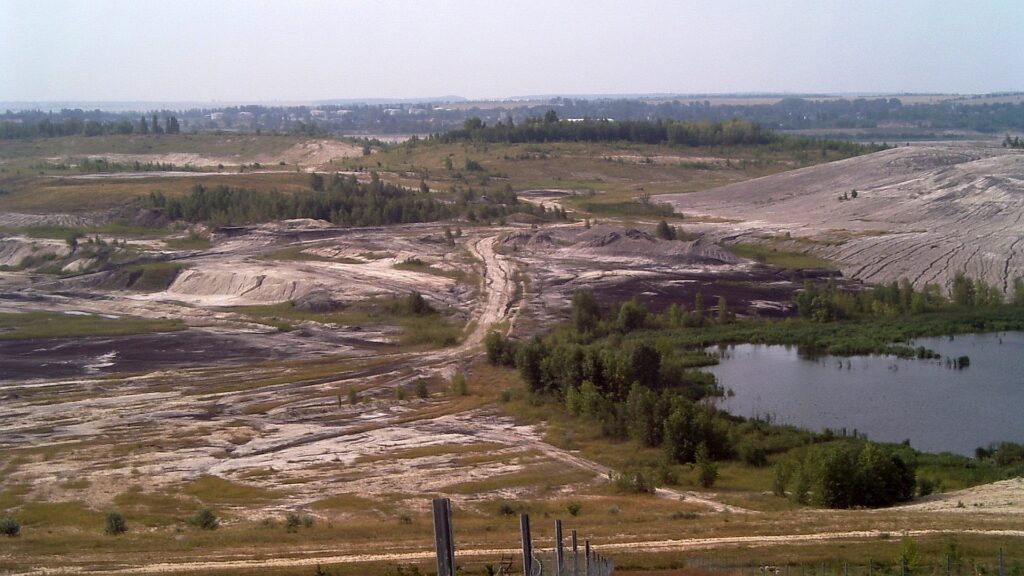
922 213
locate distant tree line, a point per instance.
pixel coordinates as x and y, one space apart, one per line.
825 303
1014 142
821 113
341 200
549 128
48 127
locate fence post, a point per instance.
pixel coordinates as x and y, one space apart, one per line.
903 567
1001 572
524 525
586 557
559 552
443 541
871 568
575 556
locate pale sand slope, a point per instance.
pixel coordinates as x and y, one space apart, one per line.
922 213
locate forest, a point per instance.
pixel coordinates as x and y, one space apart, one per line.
344 201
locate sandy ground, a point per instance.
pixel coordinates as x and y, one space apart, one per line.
922 213
311 153
287 428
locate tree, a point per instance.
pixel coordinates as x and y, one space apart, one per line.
528 360
585 311
156 125
550 117
707 470
632 316
724 316
963 290
143 127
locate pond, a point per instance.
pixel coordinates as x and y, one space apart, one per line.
934 405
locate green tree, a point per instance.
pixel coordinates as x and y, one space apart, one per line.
143 126
707 470
586 314
963 290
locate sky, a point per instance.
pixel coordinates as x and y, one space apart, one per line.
306 50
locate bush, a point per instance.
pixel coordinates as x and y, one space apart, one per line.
574 508
292 521
459 385
205 519
707 470
116 524
9 527
506 509
753 454
421 388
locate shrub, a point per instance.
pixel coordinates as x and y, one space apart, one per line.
292 521
353 396
116 524
753 454
925 486
459 385
9 527
405 518
707 470
506 509
574 508
421 388
205 519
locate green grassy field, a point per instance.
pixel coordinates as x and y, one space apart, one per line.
29 325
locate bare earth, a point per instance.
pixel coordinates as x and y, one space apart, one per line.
921 213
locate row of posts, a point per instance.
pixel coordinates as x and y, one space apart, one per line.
593 564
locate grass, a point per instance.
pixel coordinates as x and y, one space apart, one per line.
190 242
780 258
548 476
216 490
30 325
416 330
120 229
149 277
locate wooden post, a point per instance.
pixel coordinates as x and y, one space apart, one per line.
524 525
575 556
443 540
586 558
559 551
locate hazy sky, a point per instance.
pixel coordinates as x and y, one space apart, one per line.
300 50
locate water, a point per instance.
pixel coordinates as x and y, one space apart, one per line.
889 399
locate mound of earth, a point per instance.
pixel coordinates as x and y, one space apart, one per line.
319 301
921 213
608 242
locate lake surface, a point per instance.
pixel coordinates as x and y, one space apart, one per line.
890 399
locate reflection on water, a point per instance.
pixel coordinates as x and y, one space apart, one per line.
930 402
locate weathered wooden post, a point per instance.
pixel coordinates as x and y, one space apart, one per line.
575 556
586 557
1001 571
559 551
443 540
524 525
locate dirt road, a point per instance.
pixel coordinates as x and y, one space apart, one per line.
683 544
